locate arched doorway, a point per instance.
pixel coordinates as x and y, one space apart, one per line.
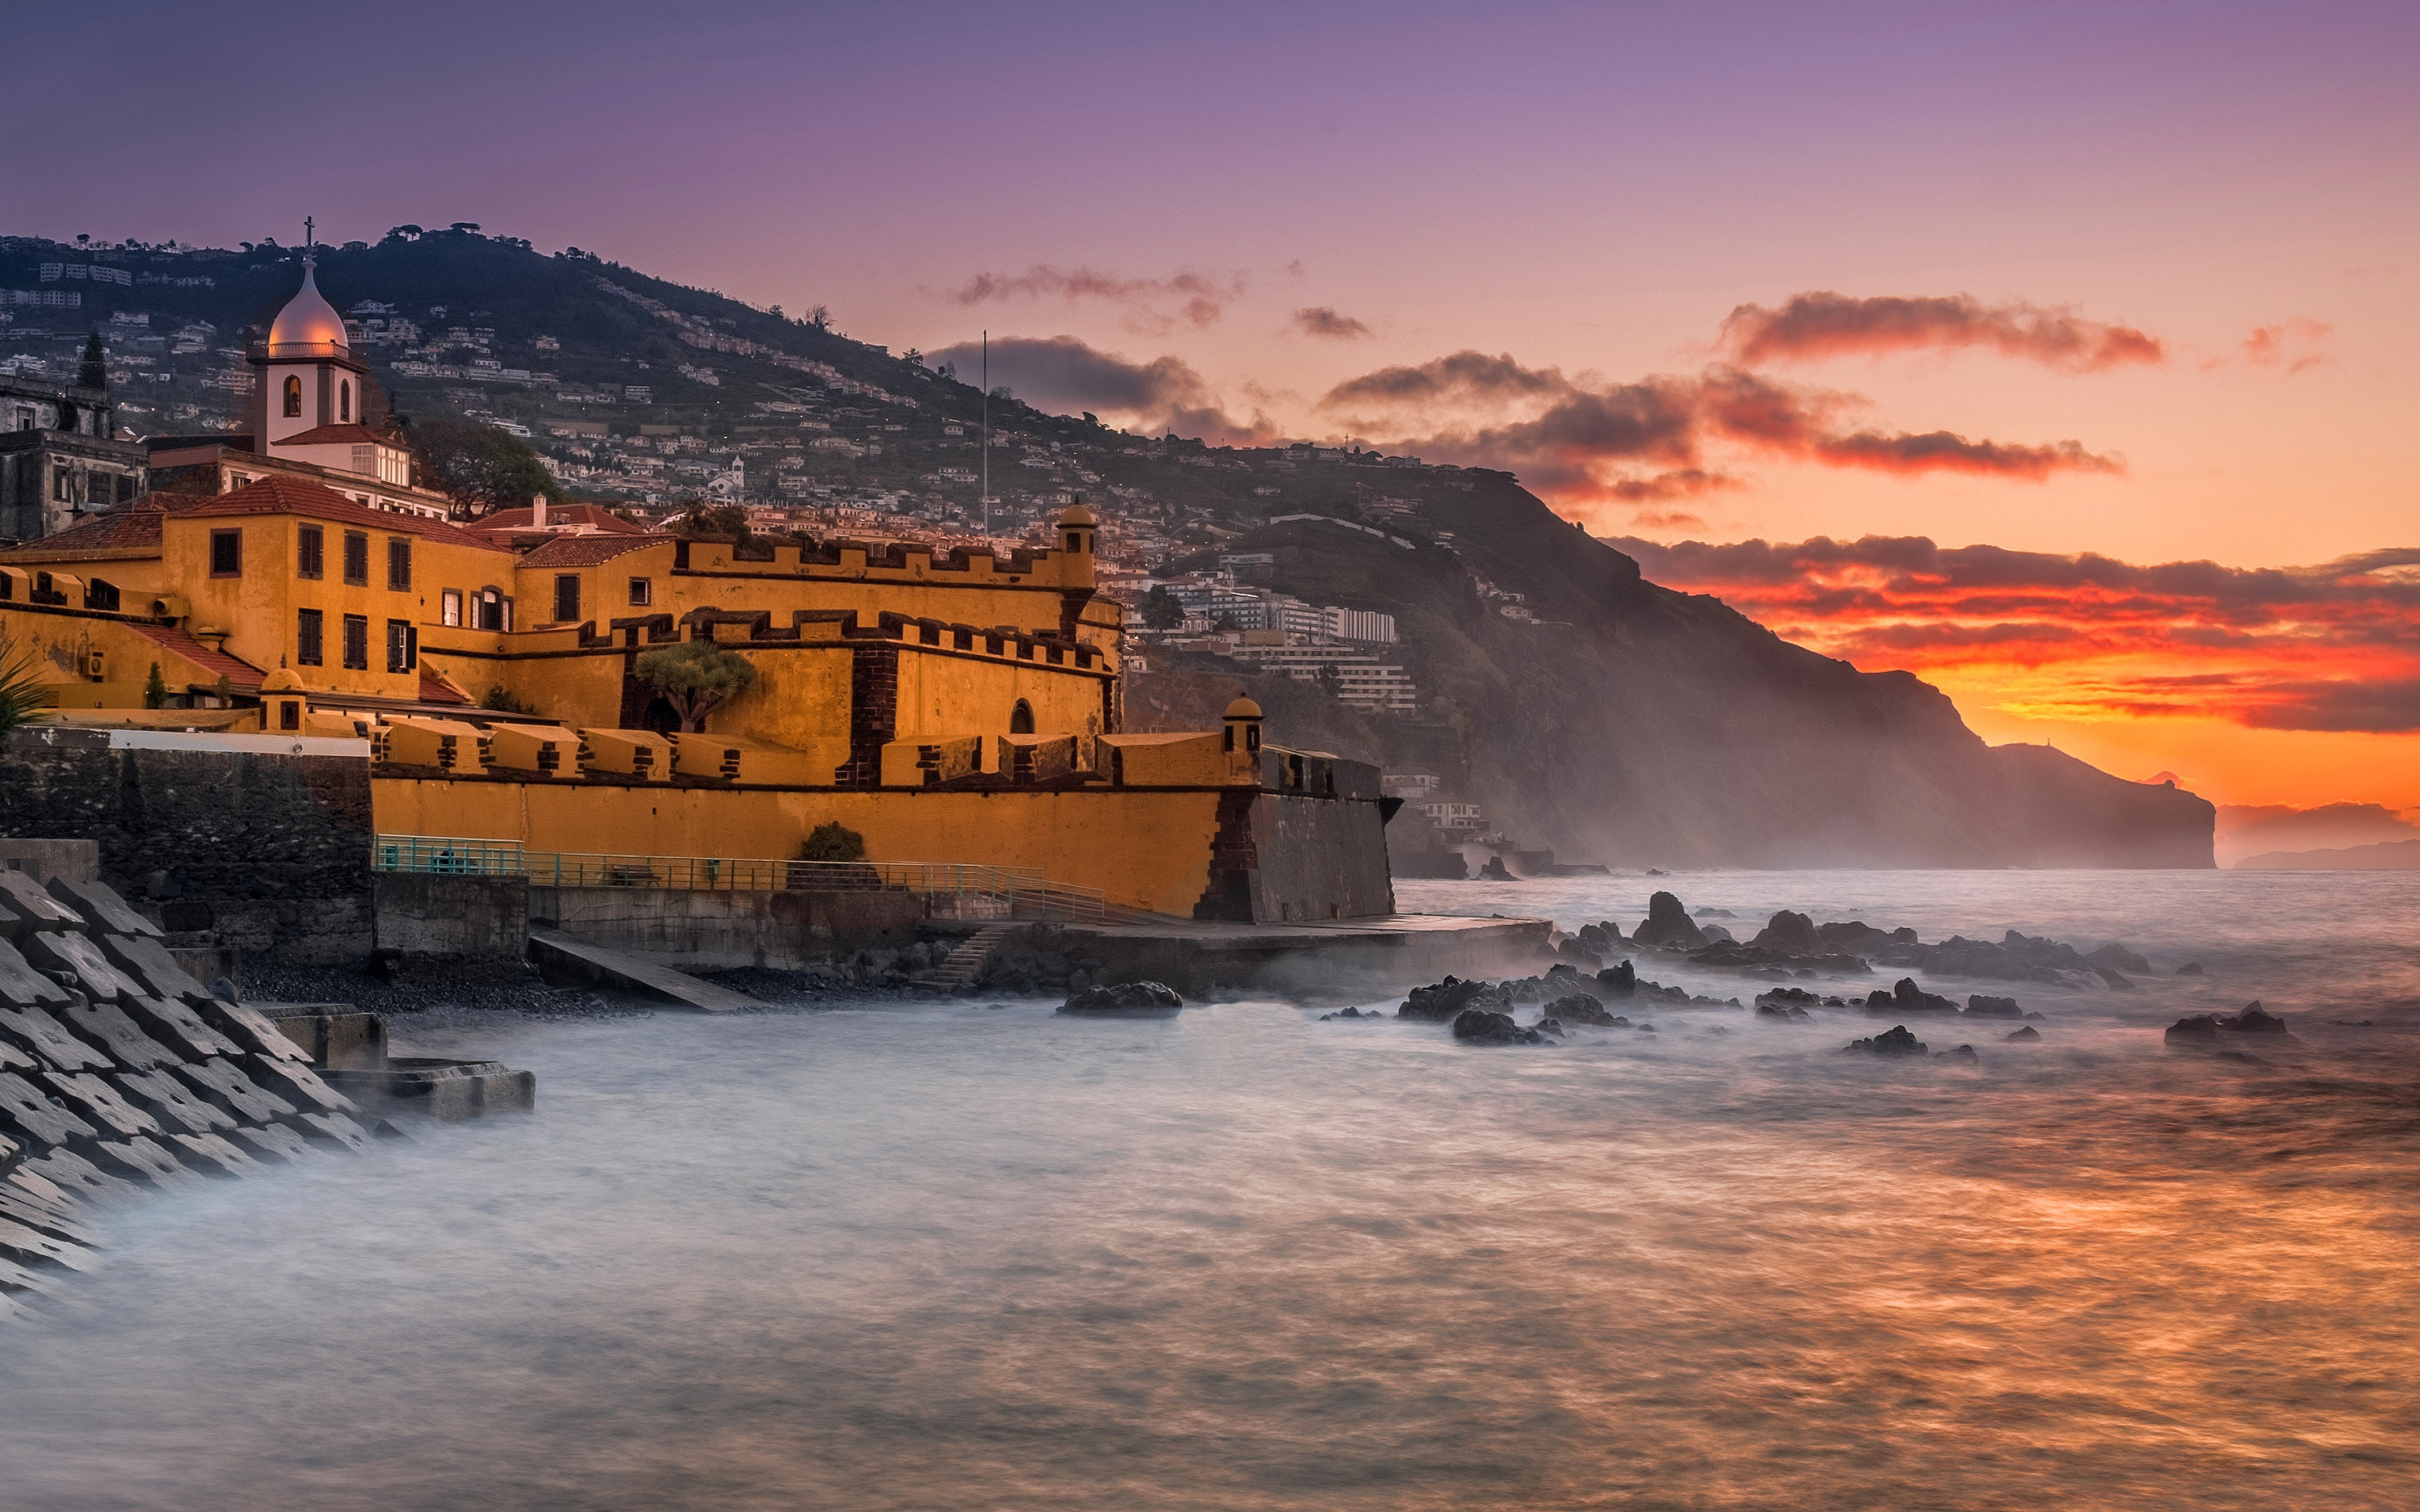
1020 719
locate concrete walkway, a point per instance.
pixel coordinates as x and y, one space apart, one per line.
555 952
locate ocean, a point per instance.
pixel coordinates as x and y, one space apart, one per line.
956 1255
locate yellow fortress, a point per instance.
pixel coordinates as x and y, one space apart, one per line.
956 709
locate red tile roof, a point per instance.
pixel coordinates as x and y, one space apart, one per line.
242 675
277 494
434 688
593 516
135 529
588 551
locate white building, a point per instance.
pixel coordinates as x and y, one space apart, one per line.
1368 627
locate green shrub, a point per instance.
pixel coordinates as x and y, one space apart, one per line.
833 841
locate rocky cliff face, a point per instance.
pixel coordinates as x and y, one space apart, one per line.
1640 726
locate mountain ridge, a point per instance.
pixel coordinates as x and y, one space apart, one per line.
1621 722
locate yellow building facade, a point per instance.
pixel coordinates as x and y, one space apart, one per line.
960 708
956 709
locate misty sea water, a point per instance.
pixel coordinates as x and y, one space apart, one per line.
945 1256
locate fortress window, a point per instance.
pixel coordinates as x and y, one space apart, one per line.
293 396
1020 719
101 596
357 642
642 593
289 715
307 638
398 565
402 646
310 551
357 559
566 597
227 553
345 403
449 607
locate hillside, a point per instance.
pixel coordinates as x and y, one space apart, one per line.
1619 722
2386 856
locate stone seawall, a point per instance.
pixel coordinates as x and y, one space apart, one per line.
718 930
269 852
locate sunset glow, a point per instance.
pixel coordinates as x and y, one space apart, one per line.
2253 686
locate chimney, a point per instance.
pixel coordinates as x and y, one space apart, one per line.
537 511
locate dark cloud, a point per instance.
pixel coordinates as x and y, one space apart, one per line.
1320 321
1463 379
1064 376
1685 483
1587 441
2372 708
1940 451
1198 299
1821 324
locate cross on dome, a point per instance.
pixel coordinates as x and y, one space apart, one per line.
308 325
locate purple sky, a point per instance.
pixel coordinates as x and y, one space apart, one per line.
1589 190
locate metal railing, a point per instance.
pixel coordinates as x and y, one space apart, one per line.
948 889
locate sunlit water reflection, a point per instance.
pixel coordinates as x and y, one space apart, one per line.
940 1256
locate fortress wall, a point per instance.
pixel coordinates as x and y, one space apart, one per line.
269 851
1145 848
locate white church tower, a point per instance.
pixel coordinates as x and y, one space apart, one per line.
308 388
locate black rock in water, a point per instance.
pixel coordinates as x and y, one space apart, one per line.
1669 925
2118 958
1439 1002
2022 1036
1494 871
1124 997
2191 968
1352 1013
1479 1027
1906 996
1791 933
2201 1030
2255 1020
1619 982
1894 1040
1579 1007
1979 1006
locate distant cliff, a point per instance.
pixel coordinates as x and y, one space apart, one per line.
1641 726
2386 856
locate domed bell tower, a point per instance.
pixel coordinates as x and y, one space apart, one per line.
305 377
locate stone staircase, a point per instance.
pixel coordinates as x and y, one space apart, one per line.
964 966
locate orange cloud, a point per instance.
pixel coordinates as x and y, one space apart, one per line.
1822 324
1580 441
1198 299
2330 648
2293 345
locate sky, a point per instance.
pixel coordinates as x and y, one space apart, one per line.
2074 283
